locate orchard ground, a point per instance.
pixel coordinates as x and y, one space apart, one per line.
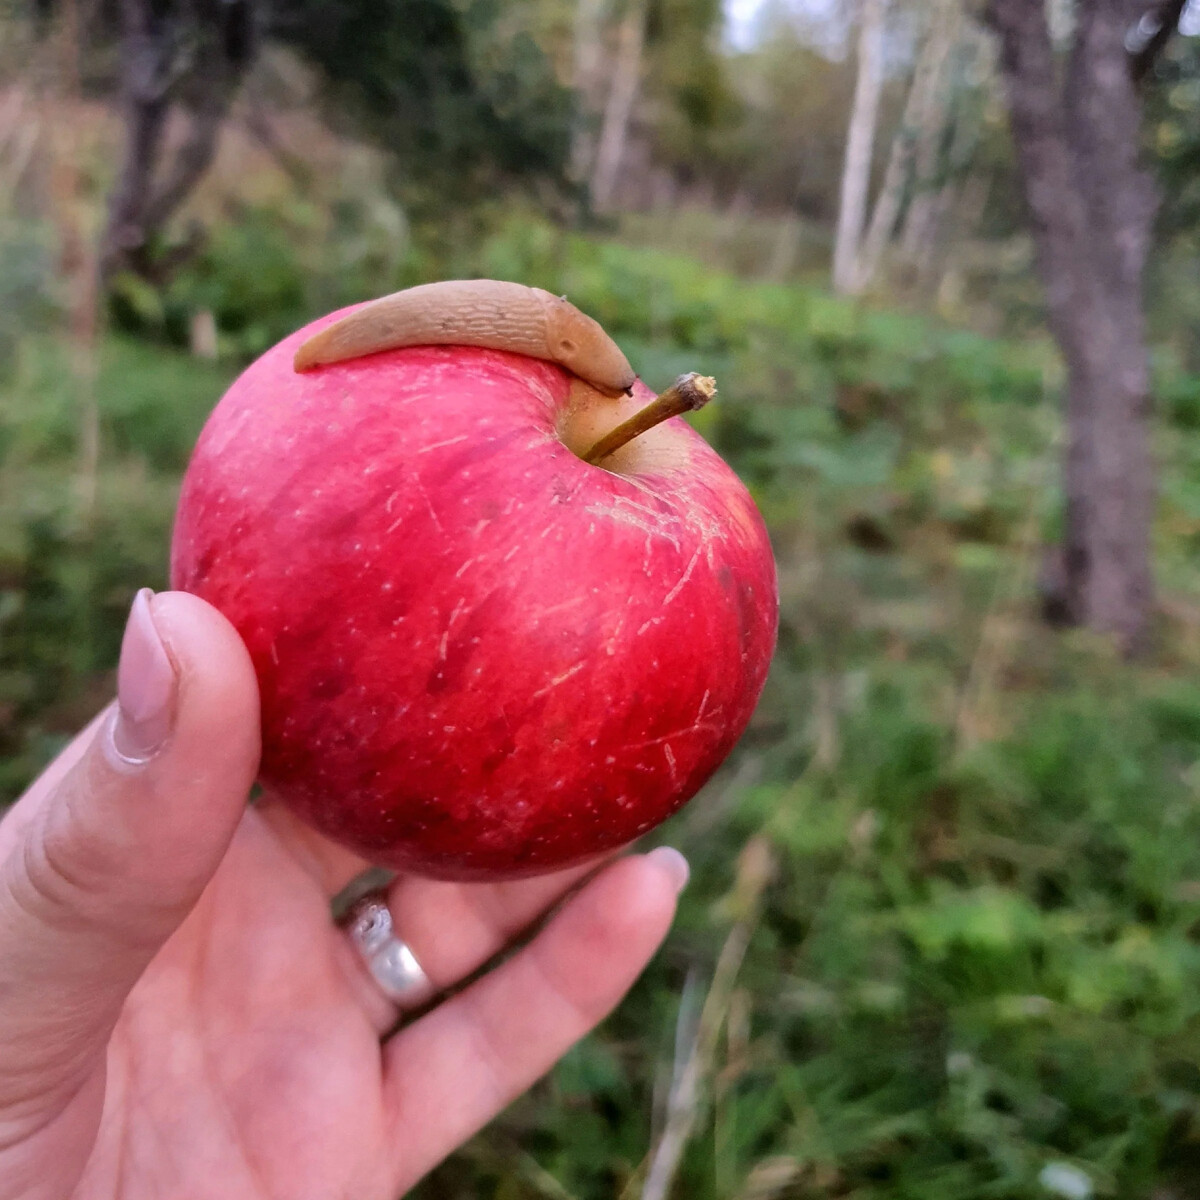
961 851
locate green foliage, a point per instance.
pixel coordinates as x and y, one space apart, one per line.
456 96
460 97
267 273
68 569
977 956
691 82
26 262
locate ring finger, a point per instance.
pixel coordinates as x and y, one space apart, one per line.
453 929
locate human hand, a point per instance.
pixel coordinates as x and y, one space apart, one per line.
179 1015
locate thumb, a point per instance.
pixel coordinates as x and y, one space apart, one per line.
101 862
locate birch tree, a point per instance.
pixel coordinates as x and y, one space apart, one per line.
860 140
915 142
626 78
586 60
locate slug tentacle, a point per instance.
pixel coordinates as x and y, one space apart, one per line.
490 313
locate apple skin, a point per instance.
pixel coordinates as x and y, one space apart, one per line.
479 657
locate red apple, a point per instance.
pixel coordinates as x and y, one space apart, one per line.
479 656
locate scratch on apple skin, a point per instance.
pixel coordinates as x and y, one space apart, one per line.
697 727
559 679
614 639
671 764
687 574
428 503
656 514
657 526
448 442
556 608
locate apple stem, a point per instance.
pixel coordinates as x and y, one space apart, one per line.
688 393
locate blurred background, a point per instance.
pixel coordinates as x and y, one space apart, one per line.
943 935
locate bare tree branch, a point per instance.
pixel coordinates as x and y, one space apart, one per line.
146 59
192 54
191 161
295 167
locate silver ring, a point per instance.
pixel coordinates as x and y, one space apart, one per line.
389 960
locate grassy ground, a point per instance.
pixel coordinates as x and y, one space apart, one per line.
942 936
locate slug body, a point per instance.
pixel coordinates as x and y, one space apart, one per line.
489 313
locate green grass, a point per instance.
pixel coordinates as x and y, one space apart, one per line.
69 569
976 950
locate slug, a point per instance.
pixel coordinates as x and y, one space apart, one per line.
476 312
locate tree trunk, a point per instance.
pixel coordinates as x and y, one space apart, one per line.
145 70
961 199
921 126
930 139
194 53
585 71
626 76
860 138
957 202
1091 207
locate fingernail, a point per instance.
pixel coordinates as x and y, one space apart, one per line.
675 865
146 686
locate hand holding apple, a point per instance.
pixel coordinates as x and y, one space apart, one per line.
479 655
